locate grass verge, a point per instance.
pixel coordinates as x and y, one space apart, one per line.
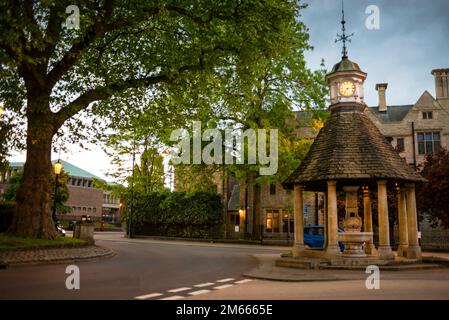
8 242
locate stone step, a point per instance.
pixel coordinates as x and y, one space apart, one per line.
397 267
299 263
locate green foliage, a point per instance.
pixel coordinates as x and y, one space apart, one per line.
148 67
432 197
181 214
14 183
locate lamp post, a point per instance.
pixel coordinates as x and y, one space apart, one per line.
58 168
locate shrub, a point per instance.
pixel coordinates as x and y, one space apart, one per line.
6 213
176 214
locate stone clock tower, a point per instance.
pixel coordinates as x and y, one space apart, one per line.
346 84
346 79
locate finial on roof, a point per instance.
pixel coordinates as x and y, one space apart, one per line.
343 37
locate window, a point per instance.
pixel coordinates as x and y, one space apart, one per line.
427 115
428 142
272 188
287 223
94 210
400 146
389 139
272 221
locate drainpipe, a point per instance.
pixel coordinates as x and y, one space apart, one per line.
414 146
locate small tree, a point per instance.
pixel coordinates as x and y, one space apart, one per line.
432 197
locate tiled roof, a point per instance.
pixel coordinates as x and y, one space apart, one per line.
71 169
349 147
393 113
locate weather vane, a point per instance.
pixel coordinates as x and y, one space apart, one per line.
343 37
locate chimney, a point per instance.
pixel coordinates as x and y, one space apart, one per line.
441 83
381 88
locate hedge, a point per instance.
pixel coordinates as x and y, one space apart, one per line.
6 213
176 214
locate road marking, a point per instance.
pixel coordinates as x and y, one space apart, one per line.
148 296
172 298
201 285
195 293
226 280
243 281
223 286
179 289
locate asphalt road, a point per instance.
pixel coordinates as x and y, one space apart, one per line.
140 268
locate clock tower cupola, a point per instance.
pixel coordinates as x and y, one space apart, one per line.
346 79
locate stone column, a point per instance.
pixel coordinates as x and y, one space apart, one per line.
402 218
384 249
332 218
298 246
370 249
413 250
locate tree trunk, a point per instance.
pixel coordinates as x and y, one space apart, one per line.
32 216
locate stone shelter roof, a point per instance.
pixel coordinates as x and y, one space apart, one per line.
350 147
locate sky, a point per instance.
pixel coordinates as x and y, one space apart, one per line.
412 39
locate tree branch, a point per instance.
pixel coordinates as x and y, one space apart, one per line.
105 92
96 30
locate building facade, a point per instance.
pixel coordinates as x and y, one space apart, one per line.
84 197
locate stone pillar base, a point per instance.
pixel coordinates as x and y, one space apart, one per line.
402 251
385 252
370 249
414 252
298 251
333 249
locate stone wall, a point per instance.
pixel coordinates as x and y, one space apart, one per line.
85 201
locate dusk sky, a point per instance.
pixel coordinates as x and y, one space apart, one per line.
412 40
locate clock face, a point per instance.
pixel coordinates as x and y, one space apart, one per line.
347 88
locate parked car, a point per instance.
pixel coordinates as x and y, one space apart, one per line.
60 230
314 237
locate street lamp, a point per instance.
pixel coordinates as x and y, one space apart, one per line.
58 168
2 110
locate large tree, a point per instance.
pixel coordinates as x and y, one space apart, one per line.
432 197
121 54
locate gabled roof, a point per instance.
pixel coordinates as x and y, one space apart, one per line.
71 169
398 113
350 147
393 113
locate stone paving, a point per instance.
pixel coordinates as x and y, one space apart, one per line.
54 255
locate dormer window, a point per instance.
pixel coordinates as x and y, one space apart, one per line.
427 115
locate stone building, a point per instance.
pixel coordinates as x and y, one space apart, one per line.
84 198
